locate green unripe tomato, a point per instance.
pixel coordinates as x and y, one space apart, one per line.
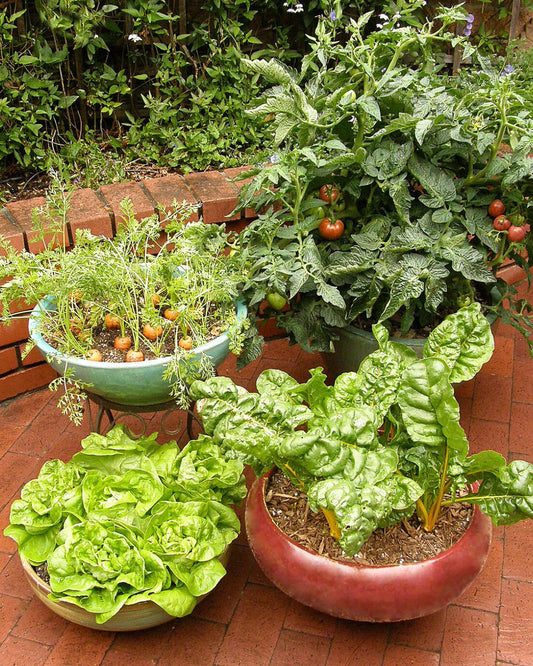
276 301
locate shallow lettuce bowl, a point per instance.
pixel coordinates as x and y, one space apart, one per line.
139 384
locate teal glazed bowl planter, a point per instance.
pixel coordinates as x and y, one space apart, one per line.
354 345
360 592
138 384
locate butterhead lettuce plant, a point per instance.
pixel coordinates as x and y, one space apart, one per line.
122 522
380 444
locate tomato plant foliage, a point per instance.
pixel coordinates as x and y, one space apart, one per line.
415 154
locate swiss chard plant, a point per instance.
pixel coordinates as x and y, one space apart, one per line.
129 520
376 203
380 444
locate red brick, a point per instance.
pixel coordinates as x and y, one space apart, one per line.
253 632
12 232
424 633
11 610
40 624
470 637
7 545
193 642
36 443
492 398
484 592
518 551
220 605
8 360
501 362
22 211
32 358
21 411
522 384
492 435
218 196
26 380
169 191
233 173
80 646
17 651
88 212
116 193
13 581
408 656
511 273
515 644
520 441
309 621
143 644
295 648
358 643
14 331
118 658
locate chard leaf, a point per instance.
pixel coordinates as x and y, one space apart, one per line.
429 408
464 341
508 496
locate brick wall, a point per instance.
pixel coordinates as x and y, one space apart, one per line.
99 211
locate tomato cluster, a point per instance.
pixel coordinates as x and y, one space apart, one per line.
513 225
331 228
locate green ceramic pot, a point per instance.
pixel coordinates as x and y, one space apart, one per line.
354 345
137 384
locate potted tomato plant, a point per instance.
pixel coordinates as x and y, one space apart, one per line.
128 534
380 199
133 318
382 448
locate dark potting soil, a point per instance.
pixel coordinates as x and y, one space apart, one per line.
404 543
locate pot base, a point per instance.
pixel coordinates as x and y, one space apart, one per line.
364 593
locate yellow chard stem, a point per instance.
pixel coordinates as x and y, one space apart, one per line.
332 522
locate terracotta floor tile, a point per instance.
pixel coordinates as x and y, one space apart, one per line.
258 577
470 637
515 640
10 433
11 610
17 652
409 656
484 404
118 658
492 435
425 633
4 560
518 551
22 410
40 624
7 545
501 362
252 635
79 646
464 390
309 621
296 648
484 592
220 605
358 643
38 440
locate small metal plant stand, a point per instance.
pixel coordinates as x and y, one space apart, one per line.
116 412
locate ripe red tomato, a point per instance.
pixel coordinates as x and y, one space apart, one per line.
328 193
501 223
331 230
496 208
516 234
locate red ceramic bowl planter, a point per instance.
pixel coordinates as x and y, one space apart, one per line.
359 592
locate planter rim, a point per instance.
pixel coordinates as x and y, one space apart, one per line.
367 335
359 565
46 303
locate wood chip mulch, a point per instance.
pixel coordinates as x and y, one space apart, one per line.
404 543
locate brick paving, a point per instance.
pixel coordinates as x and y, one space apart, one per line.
246 620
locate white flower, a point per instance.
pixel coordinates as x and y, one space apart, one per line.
384 17
134 37
95 36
